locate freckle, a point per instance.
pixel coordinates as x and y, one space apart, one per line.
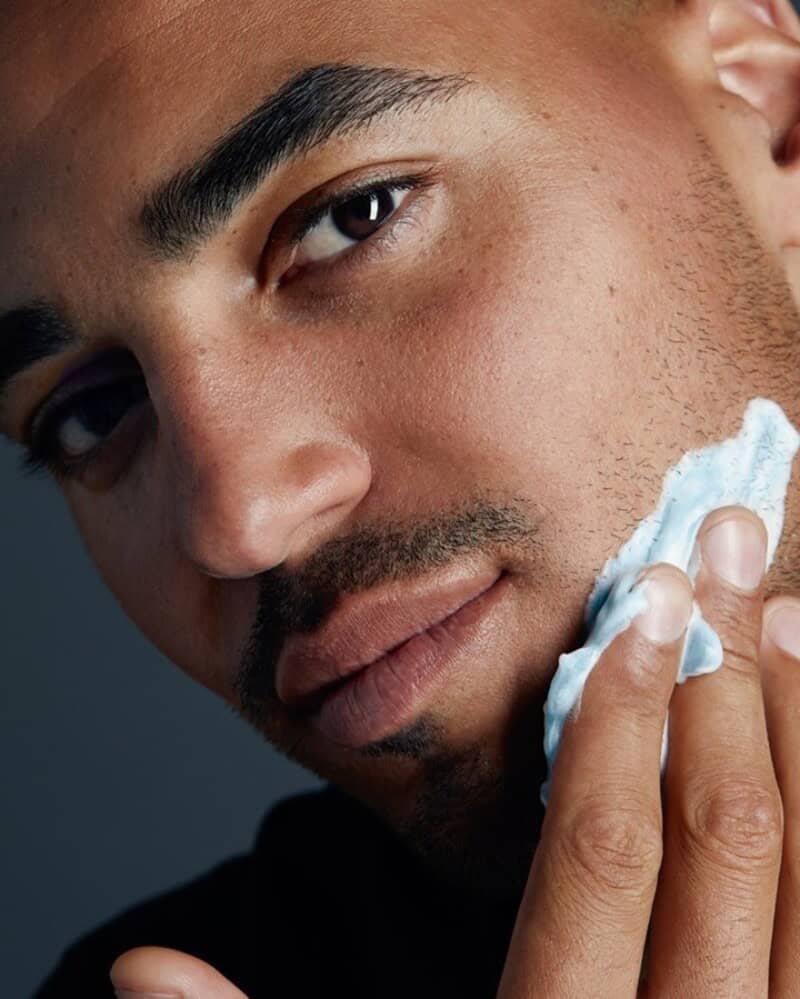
595 168
612 290
623 205
546 115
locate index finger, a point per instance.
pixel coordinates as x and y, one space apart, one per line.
582 923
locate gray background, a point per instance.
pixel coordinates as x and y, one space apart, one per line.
121 776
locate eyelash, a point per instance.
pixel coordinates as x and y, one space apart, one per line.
37 458
41 454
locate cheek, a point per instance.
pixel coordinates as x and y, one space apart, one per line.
178 610
557 372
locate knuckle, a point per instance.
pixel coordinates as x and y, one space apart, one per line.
615 848
740 655
740 635
638 685
645 683
737 822
639 706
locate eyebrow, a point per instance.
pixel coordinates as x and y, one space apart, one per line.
311 108
314 106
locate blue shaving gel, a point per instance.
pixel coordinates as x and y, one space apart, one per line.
751 470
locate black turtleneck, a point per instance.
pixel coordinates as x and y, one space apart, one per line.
327 903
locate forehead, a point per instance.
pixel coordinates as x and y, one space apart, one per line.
135 81
99 100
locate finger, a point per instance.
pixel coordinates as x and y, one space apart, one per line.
160 971
583 918
780 671
712 918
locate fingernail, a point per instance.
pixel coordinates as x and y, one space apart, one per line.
736 551
669 606
783 627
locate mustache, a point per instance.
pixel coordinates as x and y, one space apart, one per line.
374 554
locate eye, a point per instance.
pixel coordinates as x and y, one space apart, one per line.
357 223
69 431
349 223
84 423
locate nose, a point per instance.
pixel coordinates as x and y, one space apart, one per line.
247 506
255 464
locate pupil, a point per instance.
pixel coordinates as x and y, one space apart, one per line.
361 216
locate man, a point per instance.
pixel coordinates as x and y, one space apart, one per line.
331 318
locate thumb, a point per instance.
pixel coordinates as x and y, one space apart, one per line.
158 971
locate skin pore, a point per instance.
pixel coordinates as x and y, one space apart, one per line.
587 285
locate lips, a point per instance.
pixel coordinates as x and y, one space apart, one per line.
367 626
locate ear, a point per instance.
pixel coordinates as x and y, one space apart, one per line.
751 50
756 48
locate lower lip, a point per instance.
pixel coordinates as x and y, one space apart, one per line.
388 693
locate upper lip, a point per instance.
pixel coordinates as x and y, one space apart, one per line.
366 626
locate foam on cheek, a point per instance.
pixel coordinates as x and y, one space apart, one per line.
752 470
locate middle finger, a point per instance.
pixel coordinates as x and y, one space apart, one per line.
712 918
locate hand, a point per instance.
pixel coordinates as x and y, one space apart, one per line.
705 878
157 970
699 879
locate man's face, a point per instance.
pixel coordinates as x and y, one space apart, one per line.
557 295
